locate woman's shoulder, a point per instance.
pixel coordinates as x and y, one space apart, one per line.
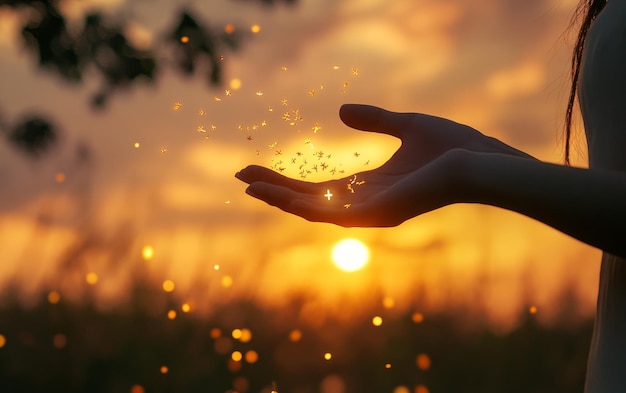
602 93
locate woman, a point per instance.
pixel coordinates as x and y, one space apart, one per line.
441 162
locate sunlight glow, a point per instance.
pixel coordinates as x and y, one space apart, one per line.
147 253
350 255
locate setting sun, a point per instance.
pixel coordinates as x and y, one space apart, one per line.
350 255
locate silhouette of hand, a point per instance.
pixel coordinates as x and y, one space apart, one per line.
425 173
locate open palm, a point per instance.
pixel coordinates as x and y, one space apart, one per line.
422 175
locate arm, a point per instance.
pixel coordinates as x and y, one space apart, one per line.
441 162
589 205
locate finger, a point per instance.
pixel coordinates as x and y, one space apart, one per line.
255 173
272 194
372 118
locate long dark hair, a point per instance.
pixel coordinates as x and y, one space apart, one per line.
585 14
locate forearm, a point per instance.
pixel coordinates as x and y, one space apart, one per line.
589 205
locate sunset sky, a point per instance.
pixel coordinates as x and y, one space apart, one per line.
500 66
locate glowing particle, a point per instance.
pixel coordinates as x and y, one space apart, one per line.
227 92
532 310
236 333
54 297
213 127
417 317
227 202
136 145
59 177
328 356
221 57
401 389
312 92
377 321
217 99
216 267
322 87
235 83
229 28
59 341
164 369
201 112
163 150
263 123
423 361
168 285
201 129
251 356
91 278
186 307
216 333
421 389
387 365
171 314
147 253
236 356
137 389
295 335
227 281
3 340
255 28
177 106
355 72
283 102
270 109
184 39
272 145
346 85
259 93
347 205
335 67
284 68
246 335
316 128
328 195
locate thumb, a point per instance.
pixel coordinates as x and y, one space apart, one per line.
373 118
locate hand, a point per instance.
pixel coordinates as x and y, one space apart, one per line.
422 175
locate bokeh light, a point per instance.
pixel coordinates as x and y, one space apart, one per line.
168 285
54 297
147 252
236 356
59 341
91 278
423 361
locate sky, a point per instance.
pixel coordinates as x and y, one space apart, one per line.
163 158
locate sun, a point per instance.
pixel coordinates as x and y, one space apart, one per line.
350 255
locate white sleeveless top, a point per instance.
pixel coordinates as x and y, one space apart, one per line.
602 98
